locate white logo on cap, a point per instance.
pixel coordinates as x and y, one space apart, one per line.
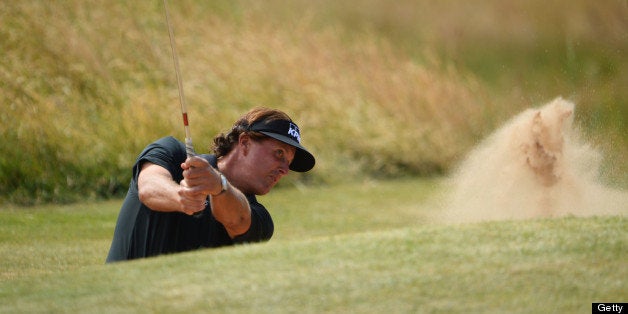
293 131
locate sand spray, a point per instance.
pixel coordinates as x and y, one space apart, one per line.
534 166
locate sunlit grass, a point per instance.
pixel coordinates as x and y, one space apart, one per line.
377 254
53 238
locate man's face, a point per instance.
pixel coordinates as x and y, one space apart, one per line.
265 163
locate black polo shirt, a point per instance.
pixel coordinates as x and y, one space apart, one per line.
142 232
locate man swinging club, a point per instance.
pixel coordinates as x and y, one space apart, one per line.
178 201
168 188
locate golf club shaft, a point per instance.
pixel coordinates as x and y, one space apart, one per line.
189 149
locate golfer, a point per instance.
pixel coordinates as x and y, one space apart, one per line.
177 204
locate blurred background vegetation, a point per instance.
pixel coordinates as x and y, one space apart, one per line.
380 89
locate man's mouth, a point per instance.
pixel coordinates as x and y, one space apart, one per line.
273 179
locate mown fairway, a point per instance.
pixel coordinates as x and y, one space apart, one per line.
354 248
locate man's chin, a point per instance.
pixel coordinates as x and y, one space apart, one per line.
264 190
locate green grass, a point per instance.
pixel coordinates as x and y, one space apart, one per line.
361 248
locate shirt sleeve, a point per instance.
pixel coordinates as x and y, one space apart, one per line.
166 152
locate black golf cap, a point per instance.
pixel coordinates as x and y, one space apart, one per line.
287 132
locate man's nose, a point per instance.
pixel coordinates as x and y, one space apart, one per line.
284 167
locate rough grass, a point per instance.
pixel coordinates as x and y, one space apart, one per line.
380 90
361 248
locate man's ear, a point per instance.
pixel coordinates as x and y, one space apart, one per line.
244 141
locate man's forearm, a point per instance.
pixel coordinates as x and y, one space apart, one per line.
160 192
232 210
160 196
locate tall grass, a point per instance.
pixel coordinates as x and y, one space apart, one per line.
378 90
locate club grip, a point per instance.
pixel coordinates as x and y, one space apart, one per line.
189 149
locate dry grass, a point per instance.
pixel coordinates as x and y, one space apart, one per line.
378 90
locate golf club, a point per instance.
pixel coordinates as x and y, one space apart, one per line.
189 149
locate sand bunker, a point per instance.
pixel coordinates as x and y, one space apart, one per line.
534 166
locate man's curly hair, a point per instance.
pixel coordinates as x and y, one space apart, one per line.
224 143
